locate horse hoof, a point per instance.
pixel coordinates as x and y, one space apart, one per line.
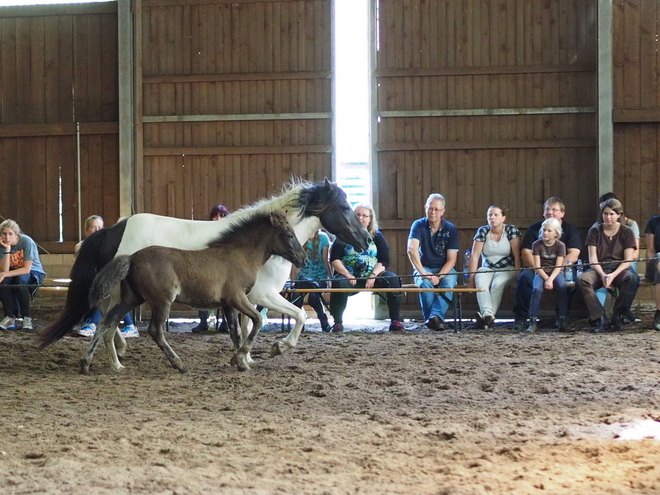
84 368
276 349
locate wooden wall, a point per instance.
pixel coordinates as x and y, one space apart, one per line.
636 26
58 67
487 103
235 99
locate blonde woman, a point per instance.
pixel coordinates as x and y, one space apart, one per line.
364 270
20 272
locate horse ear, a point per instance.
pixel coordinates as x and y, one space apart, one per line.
326 182
278 218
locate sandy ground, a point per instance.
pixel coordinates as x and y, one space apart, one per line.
360 412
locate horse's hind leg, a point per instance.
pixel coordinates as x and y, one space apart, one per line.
156 326
109 321
245 307
231 317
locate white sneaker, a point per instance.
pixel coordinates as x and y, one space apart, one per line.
27 323
8 322
87 330
129 331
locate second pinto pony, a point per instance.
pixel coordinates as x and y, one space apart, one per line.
219 276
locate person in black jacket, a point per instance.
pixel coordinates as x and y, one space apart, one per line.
364 270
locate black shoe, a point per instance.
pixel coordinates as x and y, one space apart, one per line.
337 328
532 325
603 325
325 326
628 317
396 326
435 323
479 319
488 320
615 323
519 324
201 328
656 321
564 325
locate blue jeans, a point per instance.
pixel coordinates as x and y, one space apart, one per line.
559 284
627 301
523 294
16 293
434 304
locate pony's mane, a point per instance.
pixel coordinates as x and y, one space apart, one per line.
286 200
240 226
299 199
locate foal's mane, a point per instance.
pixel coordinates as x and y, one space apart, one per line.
256 223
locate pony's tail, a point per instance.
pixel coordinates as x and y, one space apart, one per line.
112 273
83 272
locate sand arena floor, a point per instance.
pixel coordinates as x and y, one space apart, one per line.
360 412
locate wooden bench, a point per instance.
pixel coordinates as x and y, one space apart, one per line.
455 301
55 285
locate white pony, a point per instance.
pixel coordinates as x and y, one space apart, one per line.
308 208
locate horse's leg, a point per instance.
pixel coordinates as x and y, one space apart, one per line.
277 303
109 337
231 317
109 320
119 341
244 306
159 316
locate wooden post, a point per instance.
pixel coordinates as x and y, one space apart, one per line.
605 99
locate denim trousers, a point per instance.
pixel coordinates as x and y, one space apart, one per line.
434 304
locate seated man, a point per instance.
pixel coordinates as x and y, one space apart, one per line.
433 250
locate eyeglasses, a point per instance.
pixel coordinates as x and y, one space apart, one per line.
435 210
361 215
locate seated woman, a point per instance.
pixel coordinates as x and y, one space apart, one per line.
364 270
20 272
314 275
611 248
93 224
498 244
626 314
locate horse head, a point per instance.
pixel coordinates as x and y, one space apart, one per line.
328 202
285 242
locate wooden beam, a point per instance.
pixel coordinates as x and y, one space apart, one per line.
126 119
59 9
605 98
68 129
486 145
239 150
256 76
480 112
486 71
171 3
636 116
236 117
